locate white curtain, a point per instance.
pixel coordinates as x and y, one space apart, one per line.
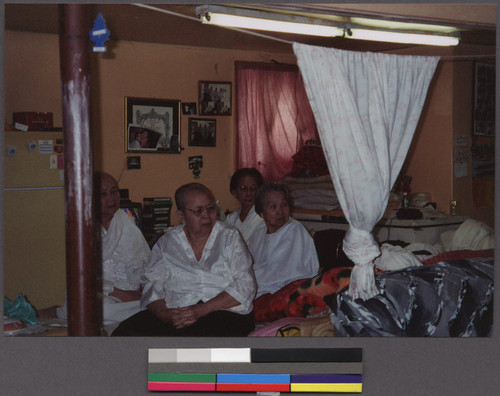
367 106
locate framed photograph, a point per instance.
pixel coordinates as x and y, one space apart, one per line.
202 132
214 98
189 108
484 99
152 125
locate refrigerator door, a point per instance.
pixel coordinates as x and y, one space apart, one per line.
34 223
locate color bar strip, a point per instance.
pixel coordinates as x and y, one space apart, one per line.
306 355
199 355
344 388
182 377
254 378
333 370
181 386
325 378
225 387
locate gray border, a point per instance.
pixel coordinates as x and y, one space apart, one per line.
107 366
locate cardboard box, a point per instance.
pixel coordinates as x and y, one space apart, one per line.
35 121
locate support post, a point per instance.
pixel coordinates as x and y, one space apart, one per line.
81 258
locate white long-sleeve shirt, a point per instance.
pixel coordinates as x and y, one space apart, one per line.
247 227
175 275
124 254
282 257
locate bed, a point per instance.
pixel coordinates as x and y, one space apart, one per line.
446 299
450 295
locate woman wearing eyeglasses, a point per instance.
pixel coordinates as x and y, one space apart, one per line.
244 184
199 280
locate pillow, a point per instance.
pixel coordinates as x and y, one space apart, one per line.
301 297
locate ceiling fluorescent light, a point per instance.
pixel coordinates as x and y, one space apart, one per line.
243 18
243 22
400 37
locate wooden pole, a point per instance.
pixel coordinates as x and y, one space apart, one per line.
81 260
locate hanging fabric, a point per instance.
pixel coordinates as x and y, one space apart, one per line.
273 117
366 106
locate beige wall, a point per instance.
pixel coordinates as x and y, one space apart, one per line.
137 70
430 165
159 71
32 83
170 72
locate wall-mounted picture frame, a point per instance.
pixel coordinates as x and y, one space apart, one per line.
484 99
202 132
214 98
189 108
152 125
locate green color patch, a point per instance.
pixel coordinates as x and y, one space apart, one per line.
181 377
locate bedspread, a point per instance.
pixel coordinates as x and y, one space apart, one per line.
447 299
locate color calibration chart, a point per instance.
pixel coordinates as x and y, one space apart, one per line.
333 370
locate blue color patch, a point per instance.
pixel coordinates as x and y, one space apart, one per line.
254 378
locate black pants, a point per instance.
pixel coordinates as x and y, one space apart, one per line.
215 324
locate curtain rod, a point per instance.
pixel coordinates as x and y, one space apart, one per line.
441 58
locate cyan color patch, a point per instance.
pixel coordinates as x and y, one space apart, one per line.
254 378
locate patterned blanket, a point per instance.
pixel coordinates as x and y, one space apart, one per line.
447 299
302 297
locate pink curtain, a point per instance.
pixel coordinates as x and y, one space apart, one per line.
273 117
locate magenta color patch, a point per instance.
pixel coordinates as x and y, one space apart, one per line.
181 386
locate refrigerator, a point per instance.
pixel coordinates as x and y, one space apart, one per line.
34 222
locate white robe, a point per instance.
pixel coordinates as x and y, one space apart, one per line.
282 257
247 227
175 275
124 254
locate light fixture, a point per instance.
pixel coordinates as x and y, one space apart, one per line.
272 25
244 18
402 37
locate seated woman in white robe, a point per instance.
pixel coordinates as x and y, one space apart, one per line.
284 250
199 279
124 254
244 184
